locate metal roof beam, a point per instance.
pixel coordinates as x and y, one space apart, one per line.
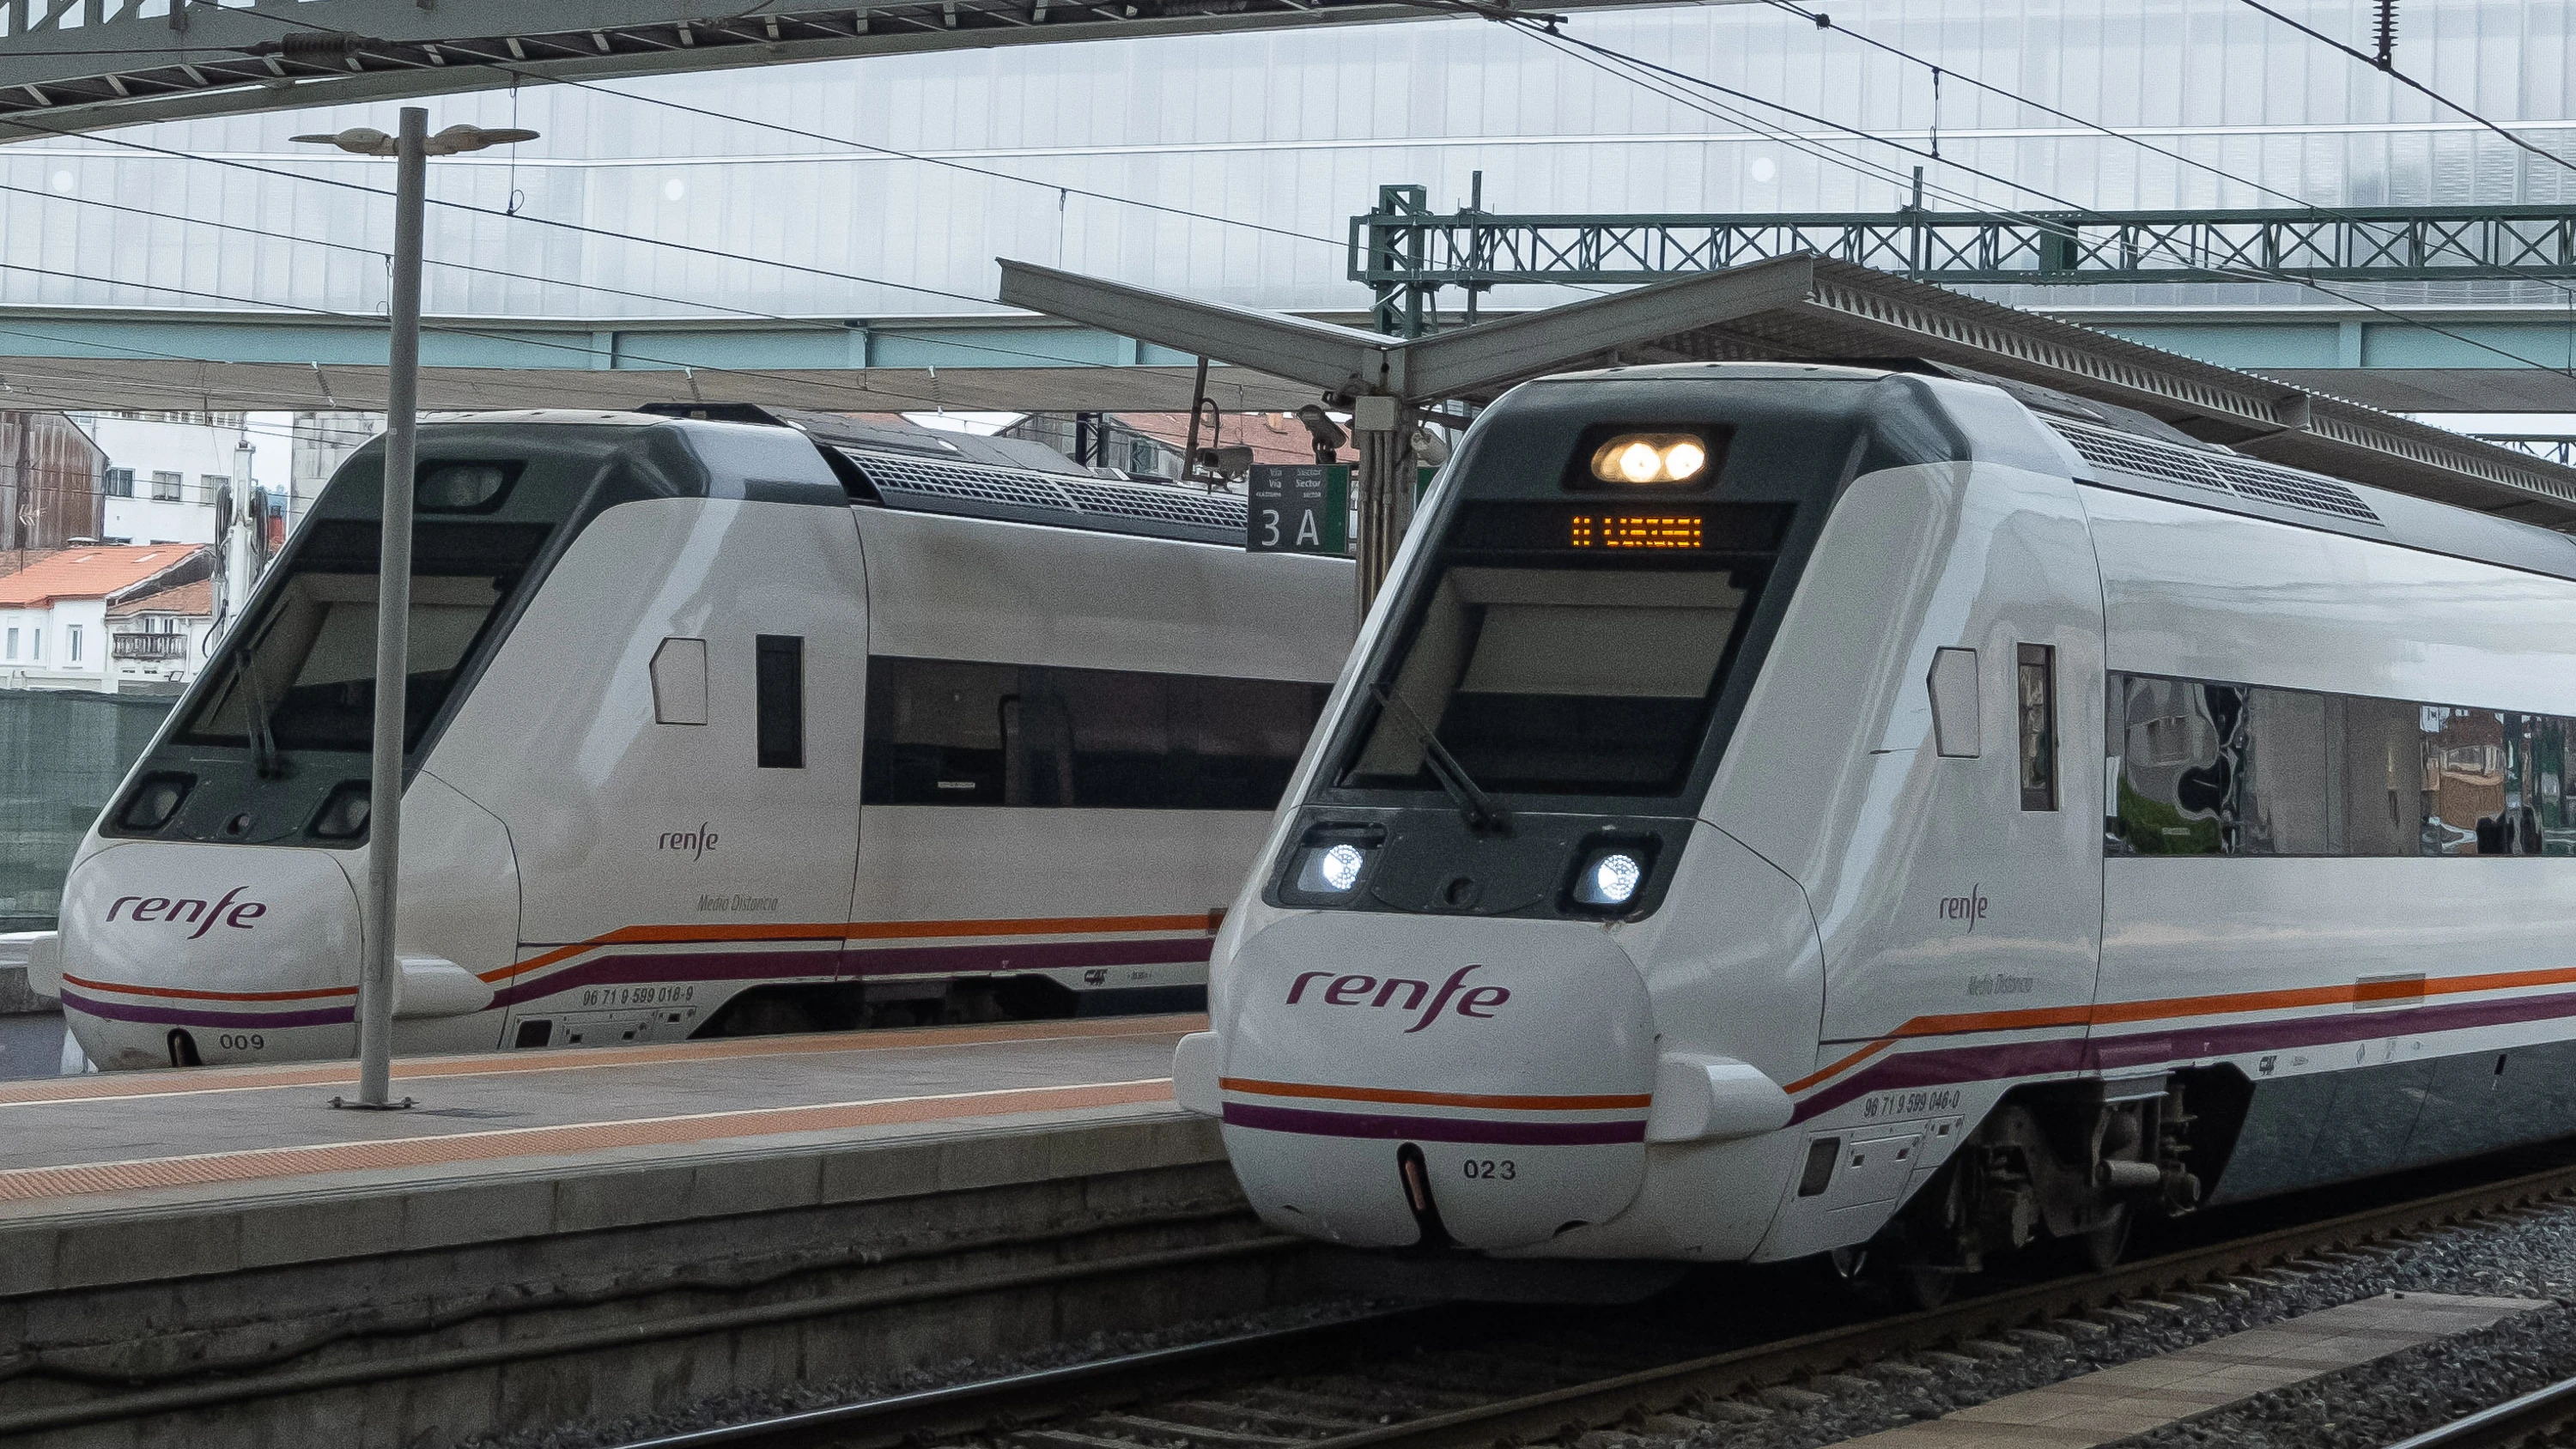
1806 307
203 59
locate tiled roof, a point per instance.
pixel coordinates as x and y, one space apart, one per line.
1274 437
90 572
196 599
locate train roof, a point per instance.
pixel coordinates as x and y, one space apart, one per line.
922 471
2117 447
1008 479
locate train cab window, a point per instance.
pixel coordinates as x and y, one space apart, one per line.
1559 680
779 692
306 677
2035 687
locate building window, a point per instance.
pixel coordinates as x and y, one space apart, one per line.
36 641
213 484
71 643
120 482
165 487
13 643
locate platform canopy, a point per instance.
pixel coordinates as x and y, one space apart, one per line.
83 65
1810 308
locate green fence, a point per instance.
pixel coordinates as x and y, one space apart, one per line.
62 754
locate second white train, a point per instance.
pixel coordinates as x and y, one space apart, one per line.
714 727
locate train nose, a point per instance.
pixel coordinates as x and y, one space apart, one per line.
1392 1080
180 953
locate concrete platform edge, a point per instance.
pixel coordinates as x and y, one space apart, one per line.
58 1244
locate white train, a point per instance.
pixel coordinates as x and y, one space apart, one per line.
715 727
1787 810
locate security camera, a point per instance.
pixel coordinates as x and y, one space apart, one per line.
1329 436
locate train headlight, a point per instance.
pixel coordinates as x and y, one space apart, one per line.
155 801
1610 879
1330 864
344 815
1334 869
1610 876
1650 458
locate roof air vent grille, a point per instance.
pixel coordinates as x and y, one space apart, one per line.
2242 477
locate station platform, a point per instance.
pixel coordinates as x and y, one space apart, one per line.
541 1223
68 1142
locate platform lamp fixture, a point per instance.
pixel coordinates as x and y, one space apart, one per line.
411 147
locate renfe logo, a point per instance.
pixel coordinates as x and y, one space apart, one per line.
170 912
697 842
1357 991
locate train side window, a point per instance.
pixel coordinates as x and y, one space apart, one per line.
1956 722
779 691
680 682
2036 698
1249 733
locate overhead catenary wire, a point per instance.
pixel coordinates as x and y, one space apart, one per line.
1824 21
1547 32
2402 78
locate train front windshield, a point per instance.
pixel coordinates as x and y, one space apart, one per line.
1559 680
303 675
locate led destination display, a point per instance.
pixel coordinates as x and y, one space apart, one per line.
1589 528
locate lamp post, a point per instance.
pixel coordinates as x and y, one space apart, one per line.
379 981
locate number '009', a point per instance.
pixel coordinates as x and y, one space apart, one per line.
241 1042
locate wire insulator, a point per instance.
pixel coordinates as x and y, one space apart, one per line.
2384 31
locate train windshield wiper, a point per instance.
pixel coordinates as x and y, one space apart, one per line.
266 762
1477 808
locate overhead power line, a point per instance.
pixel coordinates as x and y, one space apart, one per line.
1645 72
1824 21
2402 78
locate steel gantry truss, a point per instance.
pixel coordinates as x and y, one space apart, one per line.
1406 254
78 65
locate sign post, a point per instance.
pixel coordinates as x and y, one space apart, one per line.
1299 508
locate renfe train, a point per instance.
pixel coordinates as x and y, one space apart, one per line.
1797 810
713 727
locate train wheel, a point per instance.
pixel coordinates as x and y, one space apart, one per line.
1921 1287
2104 1245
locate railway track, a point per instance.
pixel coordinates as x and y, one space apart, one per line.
1449 1377
2543 1416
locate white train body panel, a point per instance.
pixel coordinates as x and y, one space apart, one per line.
1870 942
644 789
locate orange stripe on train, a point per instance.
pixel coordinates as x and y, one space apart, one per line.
1255 1087
1203 921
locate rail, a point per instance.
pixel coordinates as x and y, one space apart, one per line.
1018 1401
2510 1422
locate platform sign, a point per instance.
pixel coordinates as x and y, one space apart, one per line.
1299 508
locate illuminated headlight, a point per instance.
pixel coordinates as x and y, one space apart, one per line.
1610 879
1331 870
1331 863
1650 458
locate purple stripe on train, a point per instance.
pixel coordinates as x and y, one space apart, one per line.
1433 1129
827 961
200 1016
2010 1060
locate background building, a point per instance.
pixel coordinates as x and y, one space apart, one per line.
50 474
54 610
164 471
